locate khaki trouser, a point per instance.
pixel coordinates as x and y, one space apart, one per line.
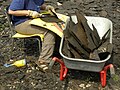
49 38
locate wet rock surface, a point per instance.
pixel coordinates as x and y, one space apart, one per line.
30 77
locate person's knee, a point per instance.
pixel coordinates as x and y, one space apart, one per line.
49 38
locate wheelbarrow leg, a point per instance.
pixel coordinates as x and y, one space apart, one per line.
63 68
104 72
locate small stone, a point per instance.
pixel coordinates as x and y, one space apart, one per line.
59 4
32 68
103 13
88 85
82 85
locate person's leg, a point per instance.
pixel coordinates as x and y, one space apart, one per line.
48 43
47 51
26 28
47 47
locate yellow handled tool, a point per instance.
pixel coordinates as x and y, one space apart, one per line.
18 63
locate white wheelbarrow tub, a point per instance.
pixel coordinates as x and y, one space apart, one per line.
102 25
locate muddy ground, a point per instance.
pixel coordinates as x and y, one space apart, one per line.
30 77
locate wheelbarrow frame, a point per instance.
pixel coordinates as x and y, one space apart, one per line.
102 25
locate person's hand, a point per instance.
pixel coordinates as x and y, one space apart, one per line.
49 7
33 14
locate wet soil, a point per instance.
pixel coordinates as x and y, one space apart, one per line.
29 77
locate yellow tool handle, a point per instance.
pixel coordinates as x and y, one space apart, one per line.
46 12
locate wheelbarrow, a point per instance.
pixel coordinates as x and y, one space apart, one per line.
102 25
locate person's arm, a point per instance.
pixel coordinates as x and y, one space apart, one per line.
33 14
19 12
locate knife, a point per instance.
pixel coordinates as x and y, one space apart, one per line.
54 13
